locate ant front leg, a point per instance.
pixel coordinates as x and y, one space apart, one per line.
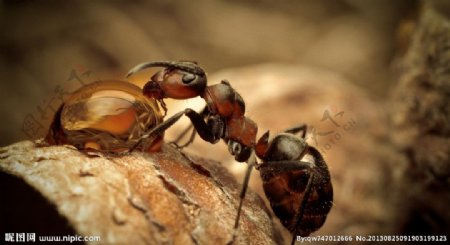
204 113
158 129
211 132
182 134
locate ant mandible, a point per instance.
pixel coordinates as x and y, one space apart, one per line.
295 176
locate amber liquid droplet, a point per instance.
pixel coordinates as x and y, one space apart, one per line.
108 116
117 124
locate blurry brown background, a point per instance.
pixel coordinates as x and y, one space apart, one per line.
42 42
290 60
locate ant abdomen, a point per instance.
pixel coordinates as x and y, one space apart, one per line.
299 190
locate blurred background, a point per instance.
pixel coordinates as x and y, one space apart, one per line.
292 61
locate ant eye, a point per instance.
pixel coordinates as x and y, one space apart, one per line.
187 78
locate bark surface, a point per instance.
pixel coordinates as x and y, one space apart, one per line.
161 198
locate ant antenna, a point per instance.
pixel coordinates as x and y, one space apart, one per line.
188 66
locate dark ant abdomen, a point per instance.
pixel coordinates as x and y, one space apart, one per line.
285 191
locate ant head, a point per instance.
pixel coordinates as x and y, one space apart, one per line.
283 147
179 80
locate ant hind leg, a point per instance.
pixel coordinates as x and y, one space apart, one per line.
299 216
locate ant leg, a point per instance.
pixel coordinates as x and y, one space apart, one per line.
250 164
204 112
301 210
182 134
160 128
210 132
296 129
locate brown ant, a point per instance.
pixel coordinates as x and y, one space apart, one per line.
295 177
296 181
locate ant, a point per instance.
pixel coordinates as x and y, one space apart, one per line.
295 176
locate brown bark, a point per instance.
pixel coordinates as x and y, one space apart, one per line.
161 198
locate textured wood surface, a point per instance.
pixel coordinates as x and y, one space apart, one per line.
162 198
